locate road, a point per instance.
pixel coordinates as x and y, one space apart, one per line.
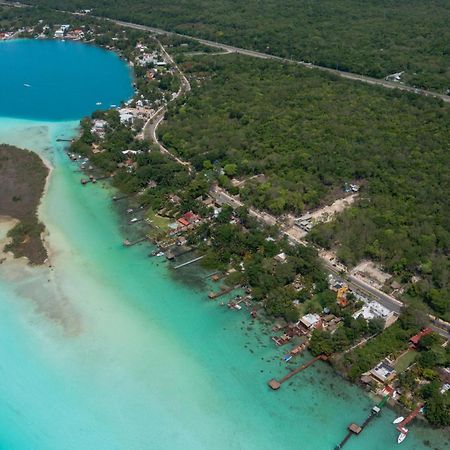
255 54
151 126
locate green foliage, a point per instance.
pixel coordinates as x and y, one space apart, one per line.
389 342
365 37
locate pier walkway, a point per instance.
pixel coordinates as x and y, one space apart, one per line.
276 384
189 262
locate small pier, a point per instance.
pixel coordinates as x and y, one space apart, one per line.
189 262
133 221
223 291
128 243
276 384
91 179
355 429
116 199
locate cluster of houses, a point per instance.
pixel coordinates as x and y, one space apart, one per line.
186 222
5 35
144 58
99 128
370 309
61 31
383 375
304 327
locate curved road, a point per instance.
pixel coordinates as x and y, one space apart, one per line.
150 127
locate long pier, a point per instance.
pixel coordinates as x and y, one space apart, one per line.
128 243
189 262
276 384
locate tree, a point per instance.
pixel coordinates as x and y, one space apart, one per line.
230 170
321 343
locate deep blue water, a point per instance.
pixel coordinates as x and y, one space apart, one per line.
66 79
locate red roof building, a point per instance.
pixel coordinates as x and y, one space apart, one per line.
190 217
416 338
183 221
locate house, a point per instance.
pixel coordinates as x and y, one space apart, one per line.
59 34
190 217
126 116
383 373
281 257
75 35
414 341
96 148
131 152
183 222
174 199
300 347
311 321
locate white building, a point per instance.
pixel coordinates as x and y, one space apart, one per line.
374 310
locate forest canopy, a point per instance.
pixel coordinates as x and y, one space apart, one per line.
295 136
370 37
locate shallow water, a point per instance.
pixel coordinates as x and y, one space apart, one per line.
106 350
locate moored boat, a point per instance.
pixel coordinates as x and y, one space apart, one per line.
398 420
402 435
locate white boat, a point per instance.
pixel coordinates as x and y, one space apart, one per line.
129 210
98 103
27 85
160 254
133 220
402 435
398 420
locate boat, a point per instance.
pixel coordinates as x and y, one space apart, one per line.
398 420
27 85
160 254
402 435
133 220
129 210
98 103
287 357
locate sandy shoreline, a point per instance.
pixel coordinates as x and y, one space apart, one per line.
45 233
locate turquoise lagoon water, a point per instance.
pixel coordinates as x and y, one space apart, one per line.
104 349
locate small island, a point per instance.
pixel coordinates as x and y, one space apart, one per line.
22 177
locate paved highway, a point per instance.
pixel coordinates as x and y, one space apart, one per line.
255 54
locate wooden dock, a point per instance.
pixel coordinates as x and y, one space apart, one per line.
128 243
116 199
189 262
223 291
276 384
